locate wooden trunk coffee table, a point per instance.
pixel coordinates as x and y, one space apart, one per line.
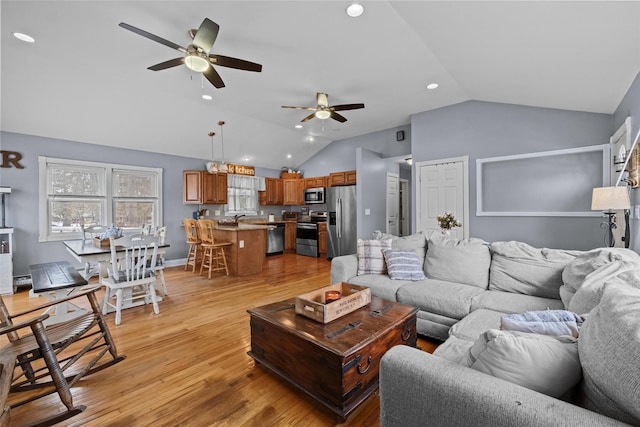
335 363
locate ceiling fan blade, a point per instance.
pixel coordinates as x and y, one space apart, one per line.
167 64
206 35
300 108
322 99
153 37
344 107
309 117
212 75
338 117
240 64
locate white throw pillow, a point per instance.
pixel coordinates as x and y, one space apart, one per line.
542 363
546 322
403 265
370 258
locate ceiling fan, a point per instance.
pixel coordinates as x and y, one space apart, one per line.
324 111
196 55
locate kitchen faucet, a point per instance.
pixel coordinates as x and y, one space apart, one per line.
236 217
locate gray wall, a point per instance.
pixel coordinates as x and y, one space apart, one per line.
22 203
483 129
371 192
630 106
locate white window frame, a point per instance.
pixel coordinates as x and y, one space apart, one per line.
107 198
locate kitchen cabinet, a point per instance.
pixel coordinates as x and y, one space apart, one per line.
202 188
342 178
273 193
292 190
322 239
290 236
316 181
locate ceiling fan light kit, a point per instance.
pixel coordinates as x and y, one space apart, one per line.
323 110
323 114
196 63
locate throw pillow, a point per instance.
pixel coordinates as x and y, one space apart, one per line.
370 258
548 365
546 322
416 242
403 265
460 261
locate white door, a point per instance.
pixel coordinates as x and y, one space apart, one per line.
404 208
393 204
442 187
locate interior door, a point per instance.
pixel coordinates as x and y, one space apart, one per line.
393 204
441 188
404 208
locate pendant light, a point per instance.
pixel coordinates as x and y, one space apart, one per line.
212 166
223 166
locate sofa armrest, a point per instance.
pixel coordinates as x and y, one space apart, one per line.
417 388
344 268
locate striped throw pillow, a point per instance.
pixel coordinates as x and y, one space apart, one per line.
403 265
370 258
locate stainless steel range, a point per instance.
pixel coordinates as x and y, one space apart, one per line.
307 234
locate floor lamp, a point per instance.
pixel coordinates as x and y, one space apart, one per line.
609 199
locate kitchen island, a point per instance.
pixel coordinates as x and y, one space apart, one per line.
246 253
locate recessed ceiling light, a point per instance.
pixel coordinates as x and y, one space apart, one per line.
355 10
207 97
432 86
298 126
289 156
246 158
24 37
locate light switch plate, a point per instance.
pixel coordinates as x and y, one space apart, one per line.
216 212
367 211
241 243
636 213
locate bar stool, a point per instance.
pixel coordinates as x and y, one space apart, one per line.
194 241
213 256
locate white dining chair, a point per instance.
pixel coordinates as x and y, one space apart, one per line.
131 274
88 233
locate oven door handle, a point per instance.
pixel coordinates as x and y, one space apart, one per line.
307 226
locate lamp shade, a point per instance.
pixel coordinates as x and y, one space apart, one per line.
609 198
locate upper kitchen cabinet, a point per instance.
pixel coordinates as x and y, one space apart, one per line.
273 193
292 192
316 181
342 178
204 188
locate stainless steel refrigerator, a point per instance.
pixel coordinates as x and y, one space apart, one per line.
342 232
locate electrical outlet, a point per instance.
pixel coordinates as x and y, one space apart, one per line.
261 212
367 211
241 243
216 212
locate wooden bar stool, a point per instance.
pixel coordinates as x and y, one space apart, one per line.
213 257
194 241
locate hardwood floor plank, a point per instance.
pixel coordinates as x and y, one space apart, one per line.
189 364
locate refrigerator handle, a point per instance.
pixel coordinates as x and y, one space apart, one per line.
339 218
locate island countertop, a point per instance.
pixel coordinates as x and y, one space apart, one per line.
241 226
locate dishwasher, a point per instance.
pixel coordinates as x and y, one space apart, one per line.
275 239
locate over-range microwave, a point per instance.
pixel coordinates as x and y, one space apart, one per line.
314 195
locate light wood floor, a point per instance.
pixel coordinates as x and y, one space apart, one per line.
189 365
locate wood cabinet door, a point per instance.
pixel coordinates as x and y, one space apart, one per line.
337 178
350 177
292 191
316 181
290 236
214 188
191 187
322 238
274 191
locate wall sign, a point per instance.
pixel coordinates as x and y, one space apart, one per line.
11 159
241 169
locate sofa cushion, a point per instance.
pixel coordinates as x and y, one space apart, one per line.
609 348
416 242
455 350
542 363
520 268
546 322
370 259
403 265
476 323
508 302
461 261
437 296
380 284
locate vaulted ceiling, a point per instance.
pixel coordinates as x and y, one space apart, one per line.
86 79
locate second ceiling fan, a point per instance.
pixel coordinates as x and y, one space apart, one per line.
324 111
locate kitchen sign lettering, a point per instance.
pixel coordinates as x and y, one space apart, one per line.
11 158
241 169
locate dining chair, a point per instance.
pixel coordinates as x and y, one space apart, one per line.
131 274
88 233
53 358
213 257
194 241
161 234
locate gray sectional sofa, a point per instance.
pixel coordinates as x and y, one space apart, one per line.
479 375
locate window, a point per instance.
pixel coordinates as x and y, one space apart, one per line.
242 194
74 194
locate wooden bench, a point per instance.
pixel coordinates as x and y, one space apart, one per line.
57 280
